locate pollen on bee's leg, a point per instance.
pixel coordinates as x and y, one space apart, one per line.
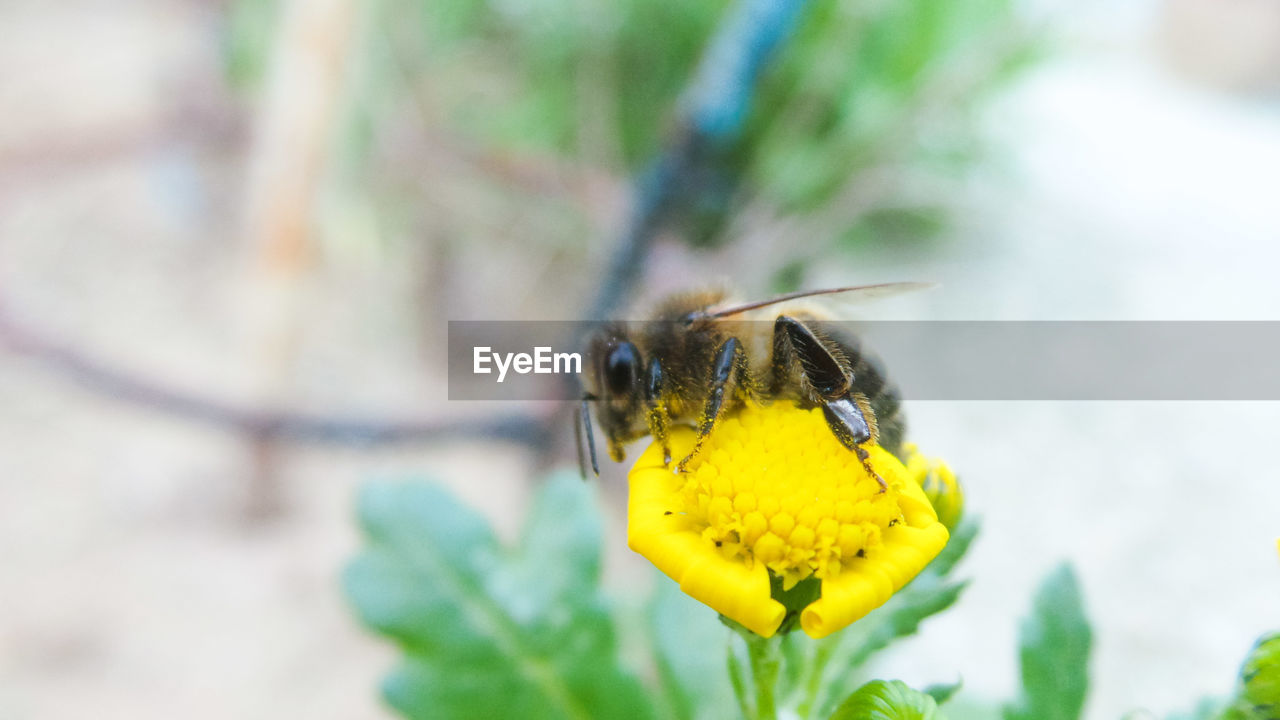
683 466
865 457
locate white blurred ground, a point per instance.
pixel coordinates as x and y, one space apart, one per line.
133 587
1142 199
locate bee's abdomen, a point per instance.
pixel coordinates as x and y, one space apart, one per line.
889 420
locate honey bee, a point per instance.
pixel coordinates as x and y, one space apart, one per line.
698 359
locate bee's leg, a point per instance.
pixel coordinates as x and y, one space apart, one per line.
825 379
728 358
658 418
847 418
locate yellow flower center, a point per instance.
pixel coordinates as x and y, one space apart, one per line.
796 500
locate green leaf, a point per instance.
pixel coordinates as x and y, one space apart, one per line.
1257 695
902 618
797 650
887 700
957 545
1054 652
689 644
486 631
943 692
735 663
1260 676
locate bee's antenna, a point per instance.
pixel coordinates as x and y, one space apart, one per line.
864 292
577 442
582 423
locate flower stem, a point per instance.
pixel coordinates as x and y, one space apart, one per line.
817 668
765 655
737 680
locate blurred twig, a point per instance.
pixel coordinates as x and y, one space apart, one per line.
194 120
122 384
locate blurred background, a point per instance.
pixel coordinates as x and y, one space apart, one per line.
231 232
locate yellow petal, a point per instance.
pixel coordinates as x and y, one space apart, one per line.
728 586
867 583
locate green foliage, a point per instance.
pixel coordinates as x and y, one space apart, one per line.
1054 653
885 700
1260 676
788 278
1257 695
941 693
795 600
954 551
890 89
902 618
895 225
487 631
590 80
879 84
246 40
852 75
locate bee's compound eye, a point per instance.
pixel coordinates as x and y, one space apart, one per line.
622 367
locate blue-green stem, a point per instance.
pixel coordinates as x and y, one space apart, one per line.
817 668
737 679
765 655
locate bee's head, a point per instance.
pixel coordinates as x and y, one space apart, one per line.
615 381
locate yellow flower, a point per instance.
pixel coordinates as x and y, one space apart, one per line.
939 484
774 494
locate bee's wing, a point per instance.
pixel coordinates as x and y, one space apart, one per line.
855 293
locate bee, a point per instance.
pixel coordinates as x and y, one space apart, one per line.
699 358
